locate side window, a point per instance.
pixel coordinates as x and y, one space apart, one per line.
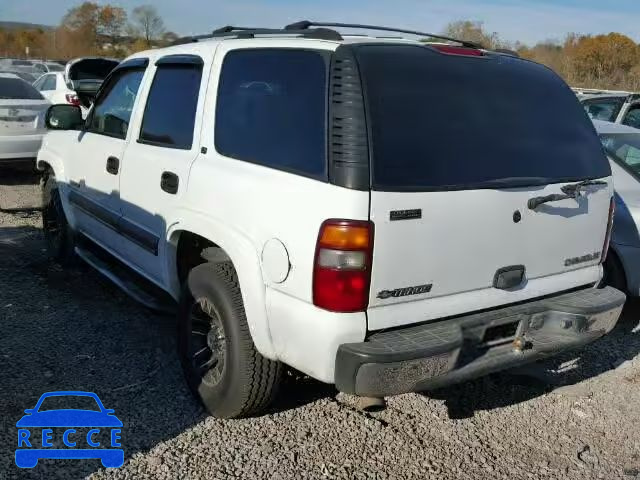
632 118
48 83
272 109
170 114
39 82
606 109
112 110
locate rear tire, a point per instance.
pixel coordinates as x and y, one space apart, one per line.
220 362
58 233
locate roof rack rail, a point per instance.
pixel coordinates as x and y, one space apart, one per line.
247 32
306 24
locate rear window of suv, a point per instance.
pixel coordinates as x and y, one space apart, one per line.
443 122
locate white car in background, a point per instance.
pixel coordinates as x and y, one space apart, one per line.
54 88
22 112
78 83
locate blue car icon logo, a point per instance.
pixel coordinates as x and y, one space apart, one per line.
89 432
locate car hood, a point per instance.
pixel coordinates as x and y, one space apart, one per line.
69 418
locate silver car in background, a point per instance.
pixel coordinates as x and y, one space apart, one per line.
611 106
622 145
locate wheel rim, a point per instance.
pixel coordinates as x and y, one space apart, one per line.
208 344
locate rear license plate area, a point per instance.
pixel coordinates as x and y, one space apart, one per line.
499 334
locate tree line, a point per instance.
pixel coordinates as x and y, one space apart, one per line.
609 61
90 29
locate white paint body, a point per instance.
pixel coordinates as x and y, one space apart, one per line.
60 92
457 245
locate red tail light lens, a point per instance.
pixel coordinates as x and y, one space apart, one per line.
72 99
607 238
342 269
453 50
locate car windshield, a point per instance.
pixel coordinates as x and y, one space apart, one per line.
441 122
17 89
69 402
54 67
624 148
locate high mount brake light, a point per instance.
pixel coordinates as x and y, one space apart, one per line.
607 238
342 266
454 50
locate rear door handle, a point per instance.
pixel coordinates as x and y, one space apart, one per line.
169 182
113 165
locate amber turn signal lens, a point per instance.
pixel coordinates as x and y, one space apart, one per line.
345 237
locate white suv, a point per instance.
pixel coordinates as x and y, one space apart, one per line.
379 213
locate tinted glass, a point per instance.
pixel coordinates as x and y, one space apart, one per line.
632 118
27 77
15 88
170 113
112 110
272 109
49 83
605 109
443 121
625 149
54 67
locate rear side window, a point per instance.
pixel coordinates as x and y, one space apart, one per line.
17 89
605 109
49 83
272 109
632 118
441 122
170 114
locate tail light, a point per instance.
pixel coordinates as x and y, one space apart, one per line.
607 238
73 99
342 269
454 50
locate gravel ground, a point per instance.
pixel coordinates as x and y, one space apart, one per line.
575 417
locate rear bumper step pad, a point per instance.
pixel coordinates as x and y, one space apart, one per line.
434 355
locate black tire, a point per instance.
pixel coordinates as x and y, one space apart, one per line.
614 275
58 233
230 377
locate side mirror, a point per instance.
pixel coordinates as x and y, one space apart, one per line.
29 411
109 411
64 117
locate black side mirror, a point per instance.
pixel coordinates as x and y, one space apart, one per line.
64 117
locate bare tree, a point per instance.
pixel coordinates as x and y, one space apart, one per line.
147 23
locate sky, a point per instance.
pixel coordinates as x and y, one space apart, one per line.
529 21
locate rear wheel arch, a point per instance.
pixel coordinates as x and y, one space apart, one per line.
228 245
615 273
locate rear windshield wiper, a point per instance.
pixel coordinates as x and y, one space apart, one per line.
576 188
569 191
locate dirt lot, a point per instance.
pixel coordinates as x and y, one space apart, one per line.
576 417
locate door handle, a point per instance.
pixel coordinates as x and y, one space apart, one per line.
113 165
169 182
